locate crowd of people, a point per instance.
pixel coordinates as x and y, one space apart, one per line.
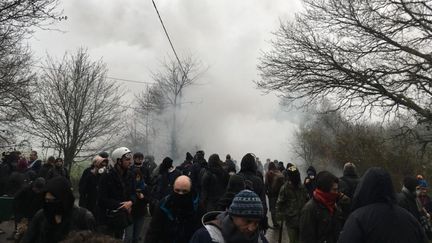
204 201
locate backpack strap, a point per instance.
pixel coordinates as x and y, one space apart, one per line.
215 233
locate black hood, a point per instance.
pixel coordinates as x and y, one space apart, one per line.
236 184
375 186
248 164
61 189
311 169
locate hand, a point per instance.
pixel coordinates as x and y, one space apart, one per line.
126 205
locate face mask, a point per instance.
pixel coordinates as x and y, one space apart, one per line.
183 202
51 209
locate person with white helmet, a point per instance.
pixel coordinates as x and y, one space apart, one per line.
115 193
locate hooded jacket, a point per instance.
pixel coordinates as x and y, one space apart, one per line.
43 230
249 173
348 182
310 183
235 185
219 228
376 217
214 183
169 226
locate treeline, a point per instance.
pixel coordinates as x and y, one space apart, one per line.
328 140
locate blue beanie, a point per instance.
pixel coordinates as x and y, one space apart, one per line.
246 204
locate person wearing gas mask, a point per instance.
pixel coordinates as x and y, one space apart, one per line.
115 191
177 217
309 182
59 215
88 184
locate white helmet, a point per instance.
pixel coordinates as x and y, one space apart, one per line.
118 153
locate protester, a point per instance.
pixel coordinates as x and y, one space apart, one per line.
274 180
43 172
59 216
321 218
407 199
34 163
236 184
27 202
348 182
165 180
88 185
186 167
240 223
376 217
141 196
249 173
58 170
138 163
292 197
309 181
177 217
423 196
115 190
198 166
266 165
229 165
214 183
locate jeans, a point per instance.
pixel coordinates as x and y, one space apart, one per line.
133 232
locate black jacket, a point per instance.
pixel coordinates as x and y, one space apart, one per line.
214 184
115 188
376 217
41 231
348 183
168 227
27 202
88 190
408 201
249 173
317 225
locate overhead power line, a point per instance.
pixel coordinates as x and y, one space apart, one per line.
169 39
108 77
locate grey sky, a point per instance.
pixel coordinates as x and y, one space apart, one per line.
229 115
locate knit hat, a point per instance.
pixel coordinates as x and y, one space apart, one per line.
246 204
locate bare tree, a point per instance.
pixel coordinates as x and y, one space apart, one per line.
371 55
75 104
166 94
18 20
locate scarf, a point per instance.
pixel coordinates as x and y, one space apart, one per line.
328 199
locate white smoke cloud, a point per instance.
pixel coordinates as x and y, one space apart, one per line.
228 113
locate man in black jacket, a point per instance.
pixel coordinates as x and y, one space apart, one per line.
88 184
59 216
178 215
376 217
115 193
348 182
408 198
